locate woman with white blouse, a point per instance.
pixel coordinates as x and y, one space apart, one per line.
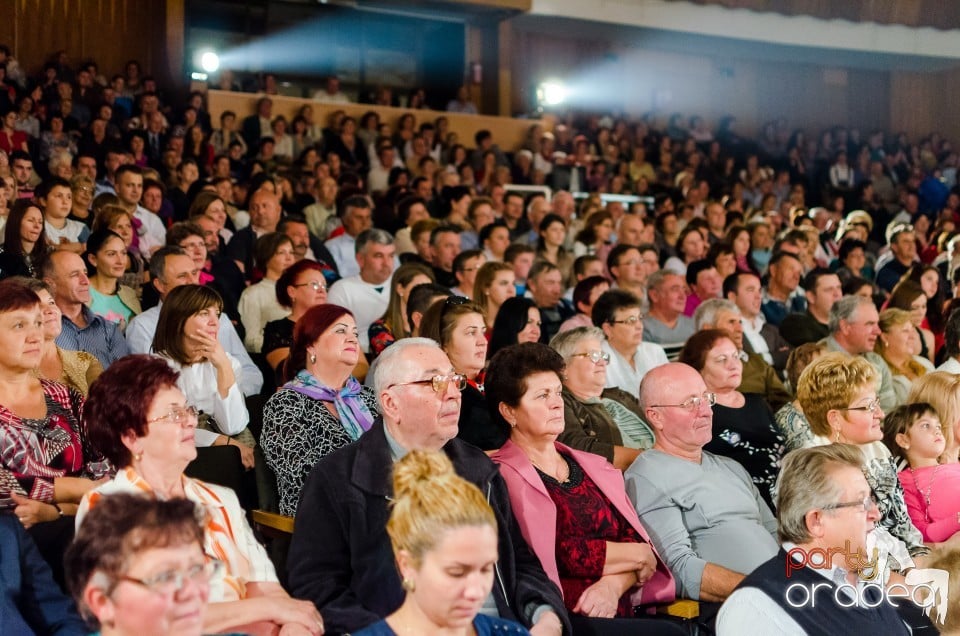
186 337
258 303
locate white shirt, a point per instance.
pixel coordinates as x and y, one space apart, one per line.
751 331
71 230
950 366
366 301
142 328
152 234
343 250
623 376
199 385
258 305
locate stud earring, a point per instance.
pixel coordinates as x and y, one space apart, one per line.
313 358
409 585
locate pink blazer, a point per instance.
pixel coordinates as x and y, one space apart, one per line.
537 514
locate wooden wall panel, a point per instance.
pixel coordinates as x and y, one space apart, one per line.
939 14
109 31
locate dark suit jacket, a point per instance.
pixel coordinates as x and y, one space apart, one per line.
340 556
778 346
30 601
250 131
242 247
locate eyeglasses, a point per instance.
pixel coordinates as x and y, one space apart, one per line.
439 383
594 356
866 505
172 581
314 284
452 301
632 320
178 415
741 355
691 403
872 407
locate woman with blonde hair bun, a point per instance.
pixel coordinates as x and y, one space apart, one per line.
444 538
941 390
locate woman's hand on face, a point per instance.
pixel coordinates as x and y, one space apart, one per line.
211 349
30 512
600 600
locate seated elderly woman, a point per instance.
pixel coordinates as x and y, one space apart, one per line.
703 512
899 346
444 538
571 506
743 425
457 324
606 422
825 501
790 420
48 463
187 338
141 421
75 369
617 313
838 395
322 407
137 567
258 303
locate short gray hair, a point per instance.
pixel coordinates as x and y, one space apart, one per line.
393 364
844 309
373 235
706 313
566 342
655 280
807 483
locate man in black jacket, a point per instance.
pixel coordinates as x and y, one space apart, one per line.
340 556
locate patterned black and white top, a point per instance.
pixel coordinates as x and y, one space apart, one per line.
297 432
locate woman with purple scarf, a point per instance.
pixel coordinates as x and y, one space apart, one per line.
322 407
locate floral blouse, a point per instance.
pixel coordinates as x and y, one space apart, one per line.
381 337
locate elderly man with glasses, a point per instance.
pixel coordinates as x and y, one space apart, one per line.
704 515
826 508
340 556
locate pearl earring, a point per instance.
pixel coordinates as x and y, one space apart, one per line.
313 358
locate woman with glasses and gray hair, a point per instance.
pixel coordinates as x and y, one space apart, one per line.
743 424
141 422
606 422
572 506
838 395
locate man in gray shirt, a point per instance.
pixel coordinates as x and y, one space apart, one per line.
665 323
703 513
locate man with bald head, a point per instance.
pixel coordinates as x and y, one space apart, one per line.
340 556
702 511
82 330
264 217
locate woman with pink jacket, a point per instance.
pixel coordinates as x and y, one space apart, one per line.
571 506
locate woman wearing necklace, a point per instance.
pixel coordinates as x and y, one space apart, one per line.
931 490
106 258
572 506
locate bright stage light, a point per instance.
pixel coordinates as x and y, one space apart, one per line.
209 61
551 93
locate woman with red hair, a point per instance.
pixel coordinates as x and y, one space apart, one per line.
322 407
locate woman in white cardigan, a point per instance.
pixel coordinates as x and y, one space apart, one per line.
258 303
